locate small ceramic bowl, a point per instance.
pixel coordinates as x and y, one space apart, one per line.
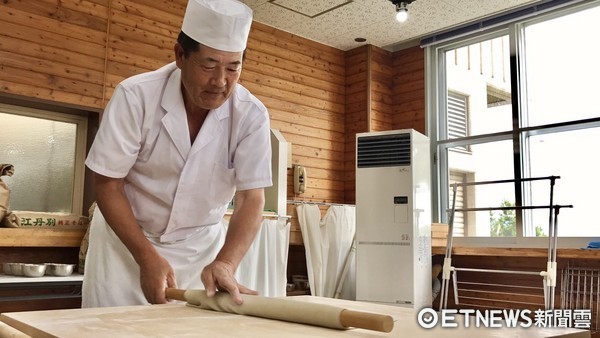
62 270
6 268
16 269
34 270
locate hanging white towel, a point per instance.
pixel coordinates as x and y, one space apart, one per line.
316 246
327 245
341 224
264 268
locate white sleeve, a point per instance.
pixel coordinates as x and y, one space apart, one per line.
252 159
117 142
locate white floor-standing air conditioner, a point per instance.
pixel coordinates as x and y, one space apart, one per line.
393 218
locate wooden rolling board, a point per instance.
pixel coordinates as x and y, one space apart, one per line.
179 320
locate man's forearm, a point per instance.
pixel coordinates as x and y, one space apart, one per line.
243 226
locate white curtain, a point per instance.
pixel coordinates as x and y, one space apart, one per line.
264 268
329 247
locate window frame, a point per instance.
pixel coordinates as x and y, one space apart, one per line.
81 123
436 107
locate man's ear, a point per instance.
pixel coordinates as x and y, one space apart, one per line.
179 54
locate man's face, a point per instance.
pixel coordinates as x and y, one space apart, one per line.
208 75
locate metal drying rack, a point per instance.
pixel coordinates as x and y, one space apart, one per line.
549 275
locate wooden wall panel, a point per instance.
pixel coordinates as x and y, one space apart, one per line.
306 52
409 89
128 15
54 50
381 99
302 84
141 38
357 111
369 99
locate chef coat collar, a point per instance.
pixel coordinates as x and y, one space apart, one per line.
172 103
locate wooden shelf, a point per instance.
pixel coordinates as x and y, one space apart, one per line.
19 237
518 252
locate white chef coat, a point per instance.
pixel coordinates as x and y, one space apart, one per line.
178 191
175 187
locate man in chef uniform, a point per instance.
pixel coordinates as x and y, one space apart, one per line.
173 147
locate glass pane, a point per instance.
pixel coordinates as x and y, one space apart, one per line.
579 182
481 73
43 153
562 68
486 162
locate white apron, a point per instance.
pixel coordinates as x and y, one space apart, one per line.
115 278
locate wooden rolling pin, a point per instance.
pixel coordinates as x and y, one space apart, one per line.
286 309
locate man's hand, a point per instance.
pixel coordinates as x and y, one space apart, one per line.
243 226
155 276
218 276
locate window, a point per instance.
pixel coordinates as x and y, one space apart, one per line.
457 116
521 98
47 149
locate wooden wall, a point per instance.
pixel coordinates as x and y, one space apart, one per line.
302 84
75 52
54 51
381 90
409 90
357 111
141 36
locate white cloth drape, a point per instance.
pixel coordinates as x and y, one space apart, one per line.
329 249
264 268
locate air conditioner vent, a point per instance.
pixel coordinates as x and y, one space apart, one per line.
383 150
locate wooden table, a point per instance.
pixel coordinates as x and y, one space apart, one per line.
179 320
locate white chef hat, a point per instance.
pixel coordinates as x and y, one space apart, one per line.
219 24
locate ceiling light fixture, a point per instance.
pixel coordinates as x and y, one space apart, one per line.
401 9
